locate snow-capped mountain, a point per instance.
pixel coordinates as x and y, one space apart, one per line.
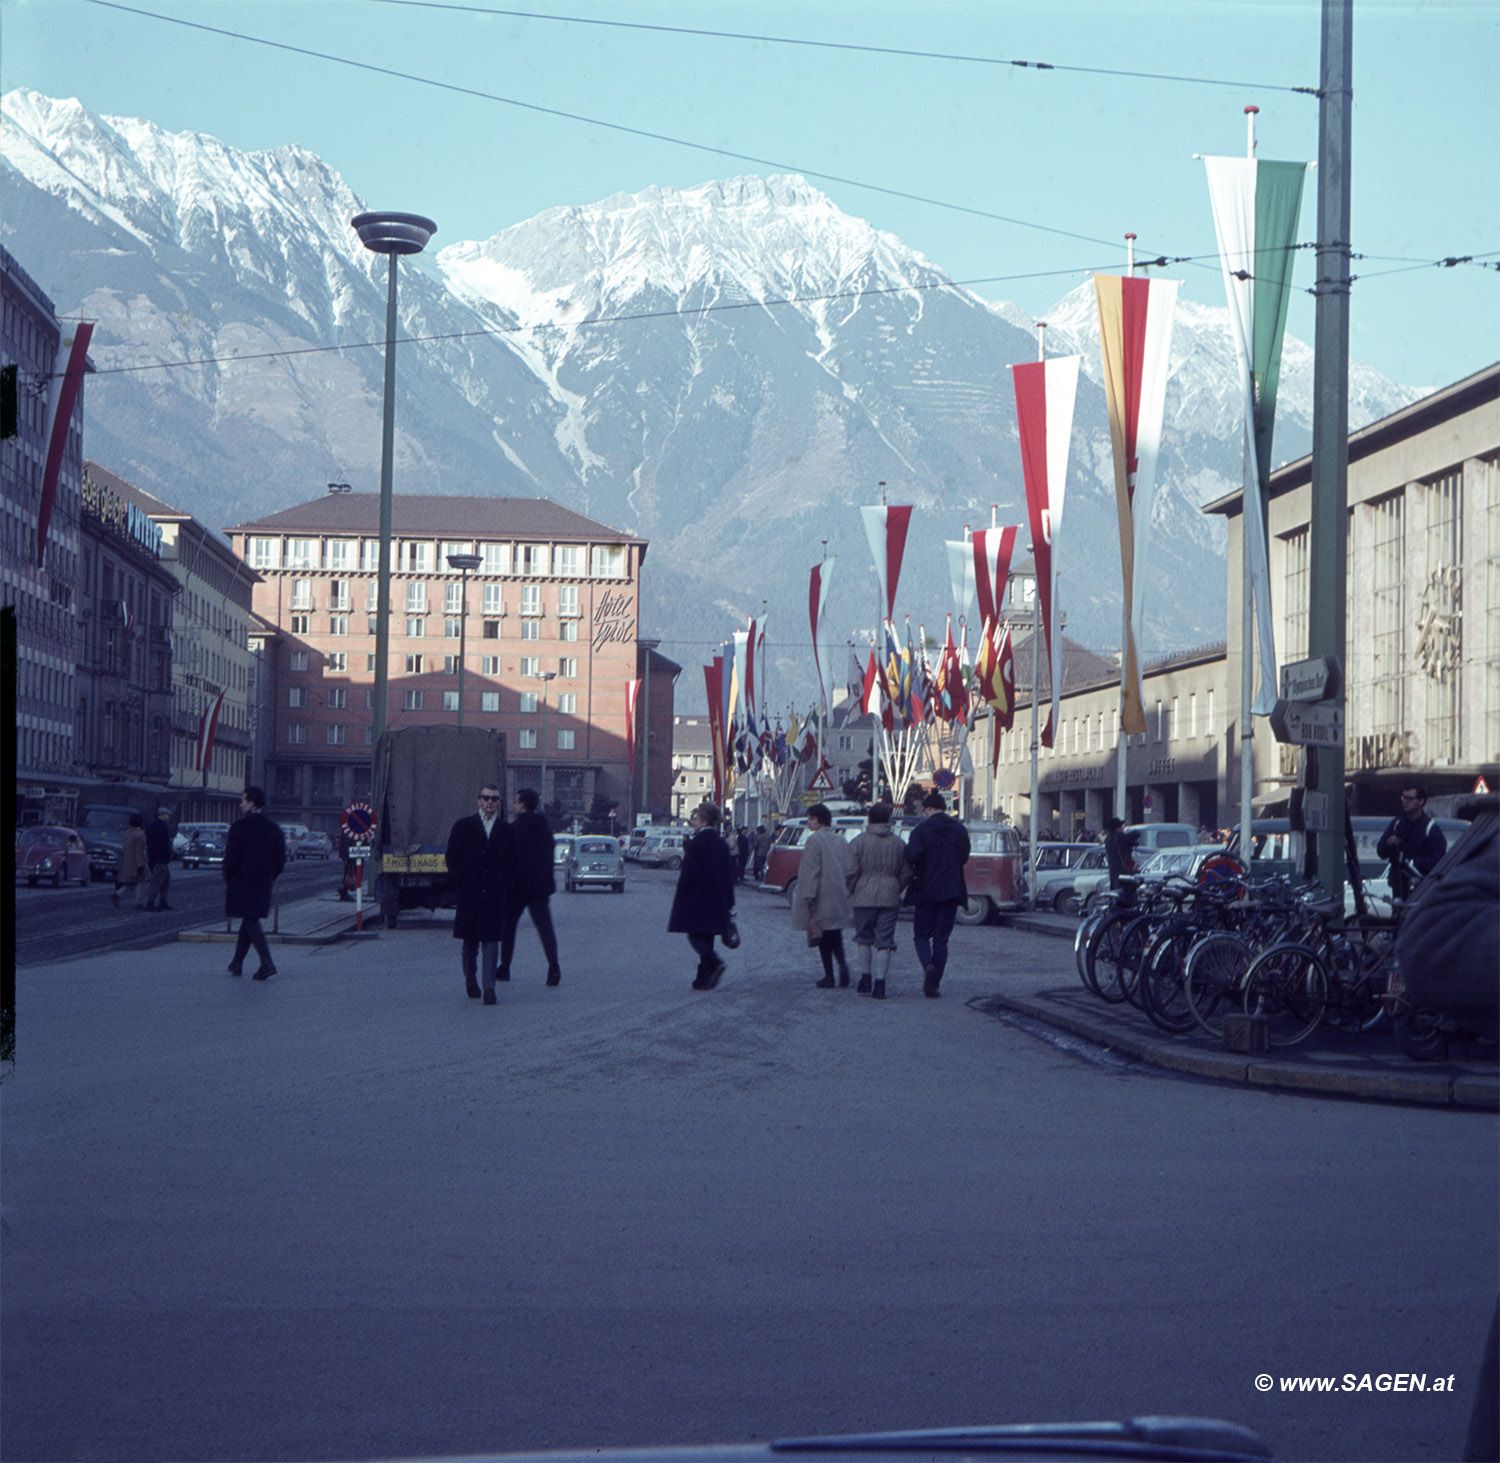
727 370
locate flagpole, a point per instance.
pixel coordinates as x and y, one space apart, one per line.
875 726
1247 679
1036 629
1122 781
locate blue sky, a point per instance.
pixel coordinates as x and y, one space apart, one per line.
1072 150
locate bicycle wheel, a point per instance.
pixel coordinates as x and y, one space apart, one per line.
1161 984
1139 933
1101 974
1288 985
1081 937
1215 971
1359 968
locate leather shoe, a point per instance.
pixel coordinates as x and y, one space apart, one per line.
472 989
930 979
502 974
264 973
826 984
715 974
554 976
863 988
489 998
235 969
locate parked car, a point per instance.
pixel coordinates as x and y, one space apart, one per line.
631 845
312 845
294 833
1052 876
52 853
1092 884
663 848
186 832
594 860
562 850
206 850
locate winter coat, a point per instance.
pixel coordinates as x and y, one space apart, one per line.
705 887
937 851
533 877
1419 843
481 866
878 871
821 898
254 855
133 865
159 842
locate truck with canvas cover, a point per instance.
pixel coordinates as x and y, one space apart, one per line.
426 778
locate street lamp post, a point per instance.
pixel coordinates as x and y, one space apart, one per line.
648 646
463 563
544 677
389 234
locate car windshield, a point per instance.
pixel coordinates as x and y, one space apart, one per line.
602 845
41 837
105 818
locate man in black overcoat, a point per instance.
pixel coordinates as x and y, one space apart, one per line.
705 894
532 884
254 856
937 851
480 856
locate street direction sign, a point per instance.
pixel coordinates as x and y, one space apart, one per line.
1311 680
1308 723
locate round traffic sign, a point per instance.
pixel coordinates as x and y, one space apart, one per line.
359 822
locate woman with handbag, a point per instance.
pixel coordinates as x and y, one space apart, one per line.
703 907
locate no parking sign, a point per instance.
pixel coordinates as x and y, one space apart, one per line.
359 822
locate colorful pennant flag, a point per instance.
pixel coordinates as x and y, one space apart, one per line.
60 402
886 530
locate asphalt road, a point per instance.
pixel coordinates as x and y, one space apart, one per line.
349 1213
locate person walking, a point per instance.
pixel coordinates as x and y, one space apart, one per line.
704 900
254 856
762 851
937 851
159 855
878 875
481 859
135 867
531 886
1119 851
820 902
1412 842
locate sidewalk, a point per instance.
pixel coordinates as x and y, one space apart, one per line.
319 920
1370 1067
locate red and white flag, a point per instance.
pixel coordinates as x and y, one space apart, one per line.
817 600
60 403
208 728
632 691
993 550
886 530
1045 394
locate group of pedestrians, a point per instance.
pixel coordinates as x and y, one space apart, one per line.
146 856
501 870
840 886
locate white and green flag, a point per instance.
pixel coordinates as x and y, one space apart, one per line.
1256 205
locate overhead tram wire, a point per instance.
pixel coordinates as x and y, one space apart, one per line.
895 51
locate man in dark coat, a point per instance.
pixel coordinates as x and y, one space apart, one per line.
481 852
254 856
1119 851
159 856
1412 842
705 894
531 885
937 851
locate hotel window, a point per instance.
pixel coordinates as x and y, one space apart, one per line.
369 555
568 631
450 700
567 561
527 739
444 550
369 668
372 596
414 665
531 599
1387 578
494 601
302 553
338 594
490 630
296 734
607 561
416 558
567 703
265 553
531 559
370 695
301 624
567 667
302 594
531 629
565 740
1172 730
1294 636
489 701
411 700
567 601
372 626
296 696
529 702
1193 712
1439 616
337 661
340 555
297 660
337 733
1209 728
338 698
338 624
453 599
496 559
369 735
531 665
452 627
416 597
489 665
414 624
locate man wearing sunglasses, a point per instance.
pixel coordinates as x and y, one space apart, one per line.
481 856
1412 842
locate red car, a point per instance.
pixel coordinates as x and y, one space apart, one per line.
52 853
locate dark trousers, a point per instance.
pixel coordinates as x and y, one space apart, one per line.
703 947
931 926
251 935
541 916
474 976
831 951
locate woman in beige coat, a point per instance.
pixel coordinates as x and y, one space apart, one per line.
820 903
135 872
878 875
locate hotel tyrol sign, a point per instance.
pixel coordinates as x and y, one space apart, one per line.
1308 723
1311 680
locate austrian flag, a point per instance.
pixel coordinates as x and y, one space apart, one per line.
208 728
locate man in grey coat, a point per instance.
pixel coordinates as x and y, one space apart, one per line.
878 874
